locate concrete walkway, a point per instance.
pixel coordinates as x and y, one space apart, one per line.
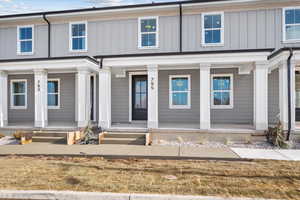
273 154
68 195
184 152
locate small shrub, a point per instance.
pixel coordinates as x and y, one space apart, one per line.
90 135
276 136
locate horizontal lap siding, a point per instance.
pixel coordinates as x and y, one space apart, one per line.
66 113
242 112
22 115
273 96
165 114
119 99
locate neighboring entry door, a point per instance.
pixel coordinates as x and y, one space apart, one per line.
139 97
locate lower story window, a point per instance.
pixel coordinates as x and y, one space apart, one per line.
53 93
222 91
180 92
19 94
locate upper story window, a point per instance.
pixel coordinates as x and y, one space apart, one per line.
212 29
180 92
18 98
222 91
148 32
291 27
78 36
25 39
53 93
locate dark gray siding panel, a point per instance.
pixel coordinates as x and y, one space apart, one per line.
8 41
165 114
22 115
66 113
242 112
119 99
273 96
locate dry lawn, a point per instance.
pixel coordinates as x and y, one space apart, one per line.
268 179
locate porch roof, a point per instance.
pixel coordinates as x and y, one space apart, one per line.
55 63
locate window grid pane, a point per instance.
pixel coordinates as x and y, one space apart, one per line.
221 91
148 40
212 29
19 100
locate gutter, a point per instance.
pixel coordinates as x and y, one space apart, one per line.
49 35
180 27
289 94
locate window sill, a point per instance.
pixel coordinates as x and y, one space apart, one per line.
145 48
53 107
213 45
18 107
179 107
222 107
25 54
290 41
78 51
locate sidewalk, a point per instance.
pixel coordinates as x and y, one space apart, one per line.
68 195
170 152
160 152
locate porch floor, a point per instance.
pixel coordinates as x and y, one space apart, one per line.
183 126
51 125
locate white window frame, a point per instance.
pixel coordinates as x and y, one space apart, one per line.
284 26
58 93
156 33
230 106
19 41
203 29
171 106
71 37
12 94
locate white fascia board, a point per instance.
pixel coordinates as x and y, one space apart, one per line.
218 3
186 59
49 64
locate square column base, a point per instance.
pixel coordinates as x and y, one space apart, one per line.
104 124
40 124
3 123
152 124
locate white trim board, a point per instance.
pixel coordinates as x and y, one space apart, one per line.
130 74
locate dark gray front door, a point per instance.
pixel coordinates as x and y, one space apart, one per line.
139 97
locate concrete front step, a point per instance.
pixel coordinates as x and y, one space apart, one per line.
50 134
48 139
128 141
124 135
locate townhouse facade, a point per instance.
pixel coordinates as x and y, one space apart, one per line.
202 65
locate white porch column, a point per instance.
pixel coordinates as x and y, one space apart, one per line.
105 98
260 95
152 96
40 98
3 99
205 96
283 94
82 97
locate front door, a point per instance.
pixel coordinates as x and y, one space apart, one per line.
139 97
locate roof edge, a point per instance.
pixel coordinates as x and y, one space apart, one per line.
277 52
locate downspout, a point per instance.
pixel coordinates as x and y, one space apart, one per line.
49 35
289 94
180 27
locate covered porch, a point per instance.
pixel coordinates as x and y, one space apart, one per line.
52 93
241 105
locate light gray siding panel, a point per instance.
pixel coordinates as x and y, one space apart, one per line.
116 37
242 112
119 99
165 114
273 96
8 41
22 115
66 113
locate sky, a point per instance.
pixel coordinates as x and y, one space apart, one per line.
25 6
